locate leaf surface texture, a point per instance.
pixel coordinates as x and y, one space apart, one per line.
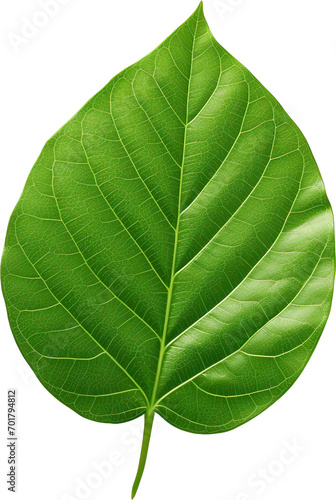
173 248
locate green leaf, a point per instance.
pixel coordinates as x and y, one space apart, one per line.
173 248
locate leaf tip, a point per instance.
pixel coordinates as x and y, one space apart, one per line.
200 7
199 12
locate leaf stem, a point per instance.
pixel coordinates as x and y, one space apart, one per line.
149 418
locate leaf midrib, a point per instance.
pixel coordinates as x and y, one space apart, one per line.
173 274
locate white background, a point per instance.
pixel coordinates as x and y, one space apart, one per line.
290 45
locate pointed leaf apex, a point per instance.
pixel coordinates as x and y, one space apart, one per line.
200 8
